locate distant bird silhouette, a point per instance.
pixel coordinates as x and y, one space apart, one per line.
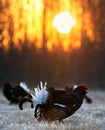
15 93
51 104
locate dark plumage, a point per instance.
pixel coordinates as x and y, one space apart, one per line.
61 104
15 93
51 104
8 91
69 91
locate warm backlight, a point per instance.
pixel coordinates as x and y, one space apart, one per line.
63 22
44 23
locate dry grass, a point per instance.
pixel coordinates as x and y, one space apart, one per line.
88 117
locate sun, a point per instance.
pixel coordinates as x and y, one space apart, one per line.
63 22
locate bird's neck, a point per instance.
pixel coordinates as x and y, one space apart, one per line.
79 97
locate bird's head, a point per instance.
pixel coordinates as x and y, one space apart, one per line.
82 89
6 83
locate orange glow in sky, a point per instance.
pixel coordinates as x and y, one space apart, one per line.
49 23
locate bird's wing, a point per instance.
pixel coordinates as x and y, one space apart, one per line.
54 114
51 113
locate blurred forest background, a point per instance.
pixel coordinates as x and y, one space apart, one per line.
33 56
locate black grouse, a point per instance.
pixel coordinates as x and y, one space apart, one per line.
15 93
51 104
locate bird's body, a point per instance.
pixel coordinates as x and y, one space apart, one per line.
61 105
8 91
51 104
59 109
15 93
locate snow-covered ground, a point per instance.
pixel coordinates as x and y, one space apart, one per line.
88 117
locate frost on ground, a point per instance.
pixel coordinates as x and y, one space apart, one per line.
88 117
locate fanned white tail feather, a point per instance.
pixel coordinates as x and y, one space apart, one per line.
41 94
24 86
